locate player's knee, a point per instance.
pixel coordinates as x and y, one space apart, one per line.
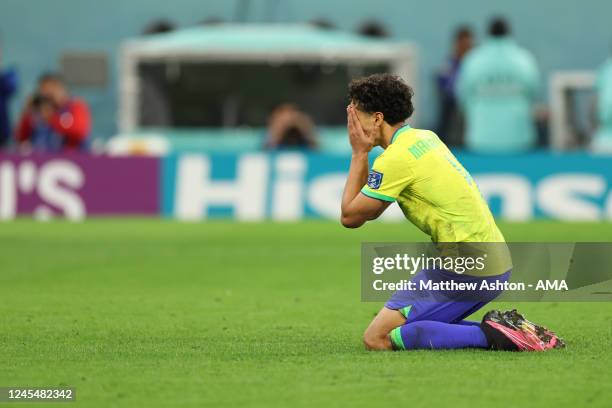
375 341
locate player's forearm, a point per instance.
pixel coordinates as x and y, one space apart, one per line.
357 177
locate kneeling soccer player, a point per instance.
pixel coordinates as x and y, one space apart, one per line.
439 196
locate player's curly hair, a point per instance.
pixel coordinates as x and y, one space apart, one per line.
384 93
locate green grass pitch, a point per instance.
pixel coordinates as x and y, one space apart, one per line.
145 313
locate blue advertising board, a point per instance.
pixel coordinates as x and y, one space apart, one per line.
294 185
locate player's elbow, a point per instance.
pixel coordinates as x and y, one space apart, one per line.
351 221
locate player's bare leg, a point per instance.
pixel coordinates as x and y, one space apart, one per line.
376 336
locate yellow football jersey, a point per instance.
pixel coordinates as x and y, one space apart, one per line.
440 197
432 188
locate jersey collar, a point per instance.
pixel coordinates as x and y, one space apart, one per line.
398 131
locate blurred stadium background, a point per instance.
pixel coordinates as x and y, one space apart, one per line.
210 79
230 111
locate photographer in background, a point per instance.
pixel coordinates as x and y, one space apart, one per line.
52 120
8 85
290 128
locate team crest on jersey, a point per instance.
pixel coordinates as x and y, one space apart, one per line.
374 179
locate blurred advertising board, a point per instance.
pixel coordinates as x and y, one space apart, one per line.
280 186
291 186
77 185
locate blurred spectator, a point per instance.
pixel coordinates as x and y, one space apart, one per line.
288 127
52 120
373 28
603 138
496 87
450 121
158 27
8 85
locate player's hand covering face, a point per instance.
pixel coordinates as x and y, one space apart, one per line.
360 140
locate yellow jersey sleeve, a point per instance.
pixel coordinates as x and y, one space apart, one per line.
389 176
